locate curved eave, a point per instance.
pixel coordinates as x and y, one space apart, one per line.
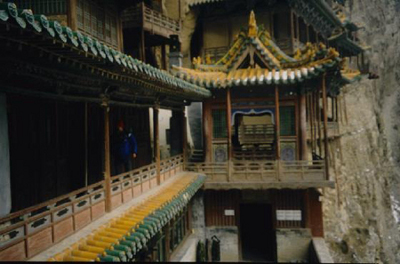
255 77
137 226
41 25
343 41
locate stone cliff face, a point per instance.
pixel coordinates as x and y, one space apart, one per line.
361 215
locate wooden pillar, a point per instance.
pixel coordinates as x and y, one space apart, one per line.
86 144
164 57
229 129
184 137
156 142
207 131
72 15
318 116
167 241
277 125
120 35
142 37
292 30
107 161
324 103
303 127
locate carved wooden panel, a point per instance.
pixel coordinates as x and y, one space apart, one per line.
82 219
39 242
98 210
14 253
63 229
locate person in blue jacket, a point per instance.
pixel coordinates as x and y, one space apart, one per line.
125 149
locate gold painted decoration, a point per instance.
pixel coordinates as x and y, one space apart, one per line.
252 25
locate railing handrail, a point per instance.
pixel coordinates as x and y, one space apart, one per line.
49 202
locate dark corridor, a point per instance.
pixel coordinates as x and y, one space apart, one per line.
257 233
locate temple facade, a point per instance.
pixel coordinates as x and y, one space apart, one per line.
268 74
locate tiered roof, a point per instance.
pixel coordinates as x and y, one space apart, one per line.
331 24
76 46
267 63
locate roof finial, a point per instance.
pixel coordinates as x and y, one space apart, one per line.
252 25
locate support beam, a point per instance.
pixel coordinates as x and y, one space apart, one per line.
229 129
324 103
277 125
157 142
303 127
107 162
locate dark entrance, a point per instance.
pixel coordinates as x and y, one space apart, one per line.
257 233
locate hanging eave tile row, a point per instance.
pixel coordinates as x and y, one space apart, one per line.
77 46
123 237
280 69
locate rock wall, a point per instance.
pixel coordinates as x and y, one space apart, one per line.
360 217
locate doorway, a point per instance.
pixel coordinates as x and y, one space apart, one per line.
257 232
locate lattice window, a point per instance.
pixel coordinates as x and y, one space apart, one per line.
219 123
46 7
97 22
288 121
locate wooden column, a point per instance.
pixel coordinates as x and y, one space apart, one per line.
229 129
207 131
164 57
72 15
184 137
86 144
303 127
277 125
107 162
156 142
142 37
318 116
324 103
292 30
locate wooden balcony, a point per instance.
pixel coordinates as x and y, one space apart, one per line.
28 232
152 21
263 174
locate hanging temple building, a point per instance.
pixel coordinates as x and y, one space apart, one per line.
268 76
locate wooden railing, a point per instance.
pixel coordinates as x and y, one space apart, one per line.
132 184
25 233
28 232
151 20
261 172
256 134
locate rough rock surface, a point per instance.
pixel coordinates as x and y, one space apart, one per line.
361 216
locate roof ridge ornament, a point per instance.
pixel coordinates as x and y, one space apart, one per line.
253 29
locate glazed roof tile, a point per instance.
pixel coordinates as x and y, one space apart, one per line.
9 13
308 63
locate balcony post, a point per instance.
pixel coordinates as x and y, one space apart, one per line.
324 103
229 130
107 162
156 142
